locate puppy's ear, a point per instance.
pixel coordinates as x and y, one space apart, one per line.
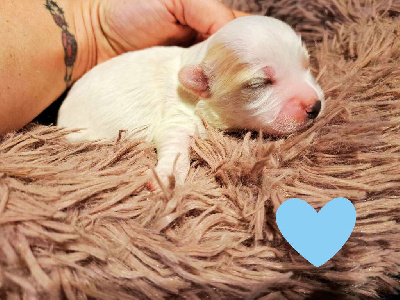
193 78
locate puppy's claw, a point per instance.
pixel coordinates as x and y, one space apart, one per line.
150 186
156 180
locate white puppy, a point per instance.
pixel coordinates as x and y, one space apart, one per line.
252 74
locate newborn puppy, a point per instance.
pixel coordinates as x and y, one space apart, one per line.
254 74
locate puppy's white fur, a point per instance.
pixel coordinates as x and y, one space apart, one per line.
253 73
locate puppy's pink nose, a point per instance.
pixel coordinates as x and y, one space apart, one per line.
305 101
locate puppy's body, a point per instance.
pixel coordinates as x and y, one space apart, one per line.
109 98
231 80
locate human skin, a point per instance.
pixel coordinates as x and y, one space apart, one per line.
48 45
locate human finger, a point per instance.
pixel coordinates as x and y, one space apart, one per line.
206 16
239 13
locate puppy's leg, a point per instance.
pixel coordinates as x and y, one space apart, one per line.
173 156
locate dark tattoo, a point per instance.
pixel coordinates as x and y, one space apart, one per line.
68 39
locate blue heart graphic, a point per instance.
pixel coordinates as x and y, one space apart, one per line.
317 236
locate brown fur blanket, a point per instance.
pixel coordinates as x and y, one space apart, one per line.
76 221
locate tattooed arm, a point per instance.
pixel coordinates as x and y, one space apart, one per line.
40 54
47 45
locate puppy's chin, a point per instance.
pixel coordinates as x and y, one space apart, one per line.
286 125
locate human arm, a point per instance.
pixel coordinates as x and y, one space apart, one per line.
35 68
33 63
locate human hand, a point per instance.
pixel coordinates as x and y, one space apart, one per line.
126 25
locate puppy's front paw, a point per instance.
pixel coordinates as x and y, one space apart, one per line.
159 179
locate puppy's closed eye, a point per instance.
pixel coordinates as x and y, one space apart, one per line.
258 83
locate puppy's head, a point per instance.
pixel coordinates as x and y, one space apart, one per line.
255 75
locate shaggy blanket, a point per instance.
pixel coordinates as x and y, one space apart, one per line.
76 221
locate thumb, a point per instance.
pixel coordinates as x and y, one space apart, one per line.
181 35
205 16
